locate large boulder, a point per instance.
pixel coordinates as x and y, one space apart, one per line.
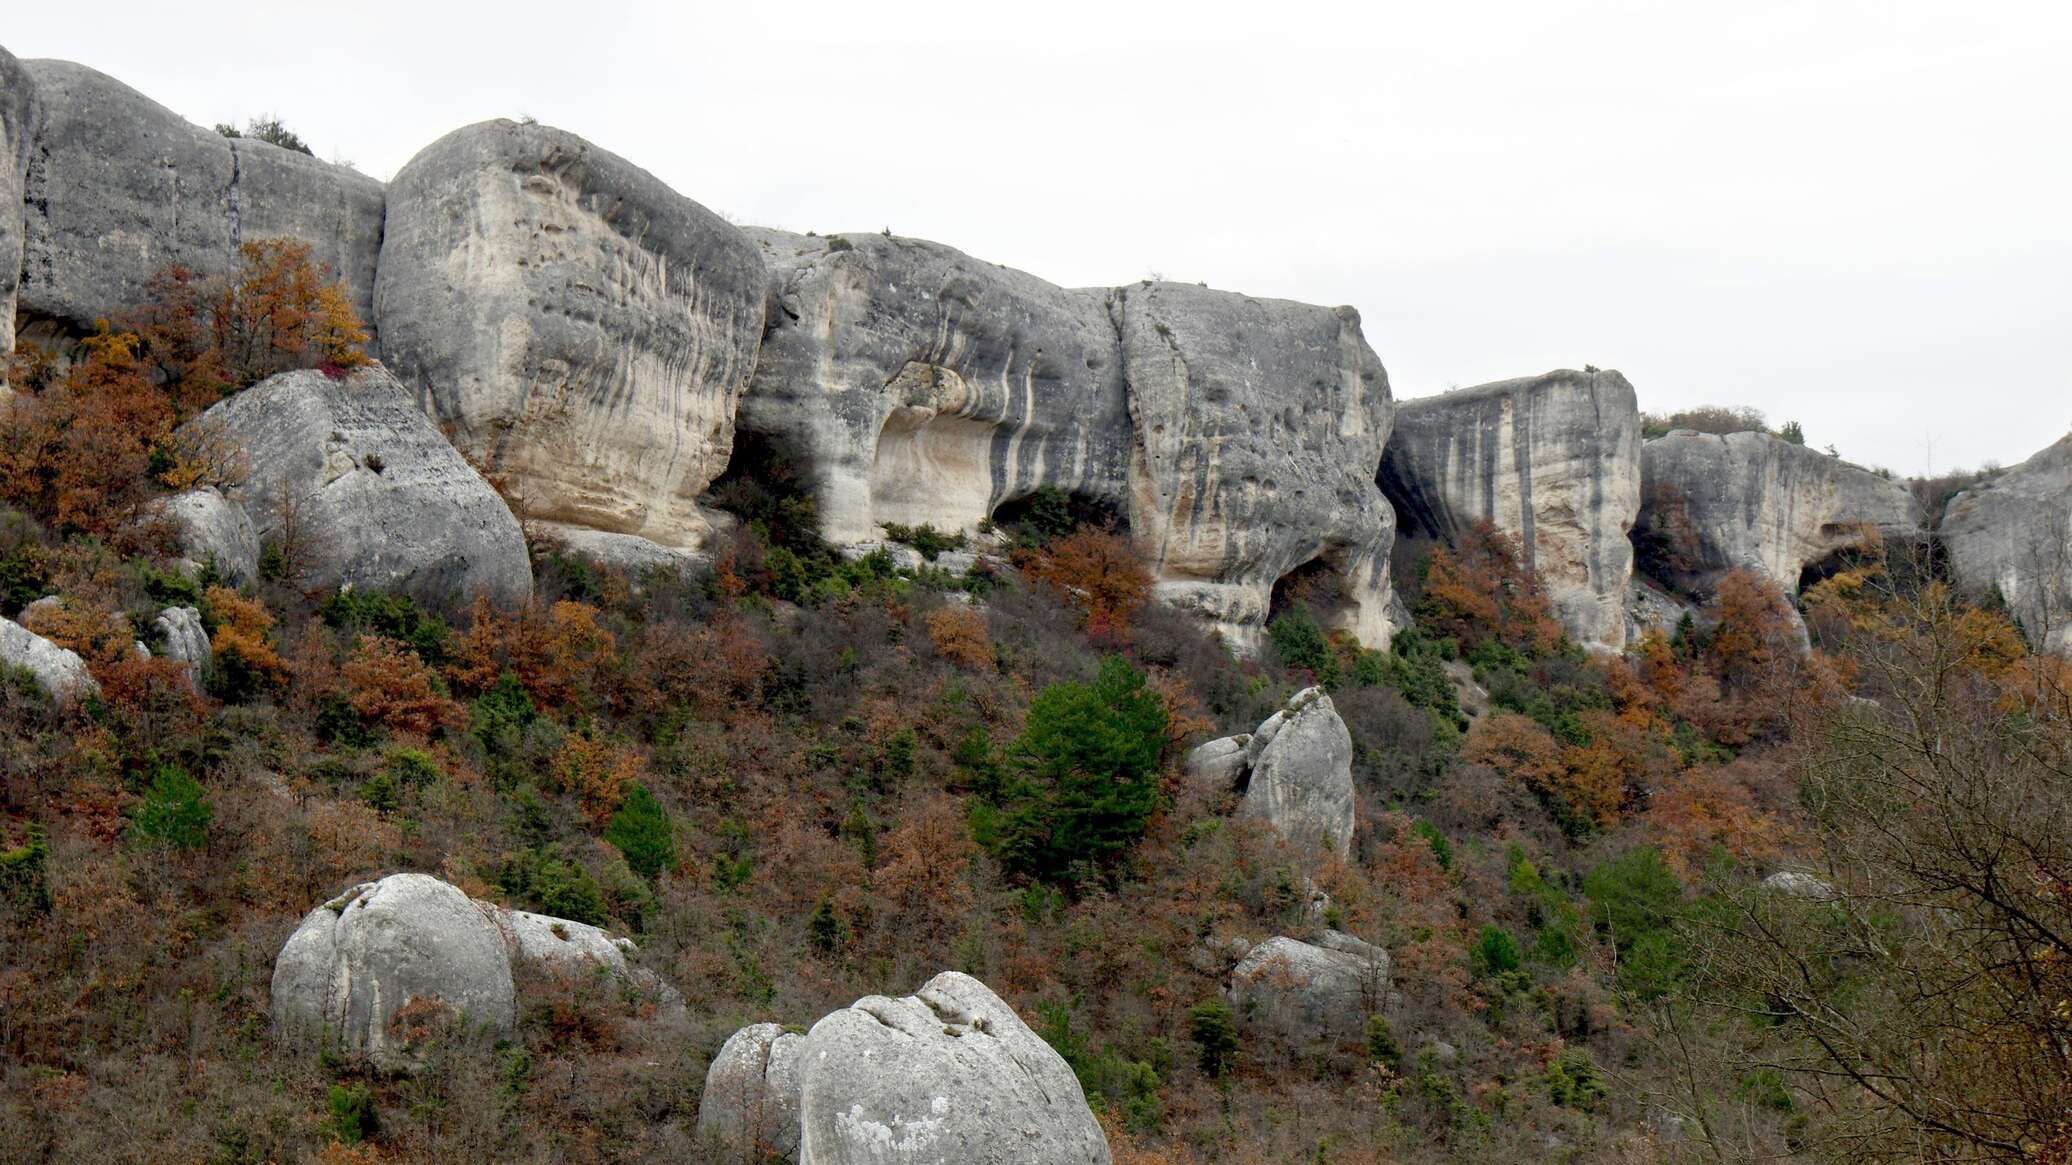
58 671
1551 460
949 1075
750 1106
119 187
2013 535
1307 993
922 386
19 110
358 488
1300 778
580 328
1711 504
184 640
369 969
212 529
1259 427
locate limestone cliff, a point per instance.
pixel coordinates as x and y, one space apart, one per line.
1711 504
576 325
1258 428
1551 460
2013 535
921 385
19 114
119 187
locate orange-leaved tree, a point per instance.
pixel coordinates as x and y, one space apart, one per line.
1480 589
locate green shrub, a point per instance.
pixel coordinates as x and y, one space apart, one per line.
1573 1080
174 811
25 873
1382 1047
1442 849
1635 901
1495 952
1214 1031
396 617
928 541
1300 643
643 833
350 1116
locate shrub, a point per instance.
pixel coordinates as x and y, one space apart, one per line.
1301 645
25 873
928 541
642 832
961 636
387 684
267 128
174 811
350 1117
1382 1047
1095 572
1495 952
391 616
1573 1080
1214 1031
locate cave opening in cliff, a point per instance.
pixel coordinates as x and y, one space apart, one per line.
1318 586
767 483
1051 512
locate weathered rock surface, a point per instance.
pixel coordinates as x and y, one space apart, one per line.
1551 460
19 118
923 386
949 1075
1798 885
119 187
1711 504
558 943
212 528
1259 426
1650 608
1301 777
58 671
1307 992
751 1101
2014 534
359 487
185 640
408 944
579 327
1221 763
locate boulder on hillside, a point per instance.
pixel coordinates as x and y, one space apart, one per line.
359 489
1311 992
1795 884
949 1075
213 529
185 640
1259 427
750 1106
1553 461
20 114
2013 535
1220 764
581 329
1711 504
372 969
917 385
119 187
58 671
1300 779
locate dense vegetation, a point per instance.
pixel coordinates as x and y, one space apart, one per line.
799 779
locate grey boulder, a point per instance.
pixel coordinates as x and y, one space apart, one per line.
580 328
1259 427
921 386
119 187
1553 461
1795 884
19 116
949 1075
1311 992
369 969
211 528
1300 777
185 640
750 1106
360 489
57 670
2013 535
1219 764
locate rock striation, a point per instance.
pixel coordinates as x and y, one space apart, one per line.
118 188
57 670
922 386
750 1106
1294 773
359 489
1258 426
1711 504
579 328
2013 535
1553 461
1311 992
20 112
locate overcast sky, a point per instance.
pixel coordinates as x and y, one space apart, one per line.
1856 215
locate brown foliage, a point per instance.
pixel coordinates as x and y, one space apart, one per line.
1480 589
387 684
560 654
1096 572
244 636
960 635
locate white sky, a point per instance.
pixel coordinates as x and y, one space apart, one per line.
1858 215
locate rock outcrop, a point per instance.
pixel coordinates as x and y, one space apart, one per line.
1300 778
949 1075
1711 504
579 327
359 489
1311 992
1553 461
184 640
19 117
369 969
750 1106
922 386
58 671
119 187
1259 426
2013 534
212 529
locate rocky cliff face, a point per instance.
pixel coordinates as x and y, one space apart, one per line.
575 324
924 386
19 114
2014 535
1258 428
1551 460
1711 504
119 187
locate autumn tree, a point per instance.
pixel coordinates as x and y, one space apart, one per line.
1479 590
1095 571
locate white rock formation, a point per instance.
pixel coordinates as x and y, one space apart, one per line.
185 641
1551 460
750 1106
359 488
2013 535
1306 992
58 671
212 528
1300 778
1799 885
580 328
19 117
1259 426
